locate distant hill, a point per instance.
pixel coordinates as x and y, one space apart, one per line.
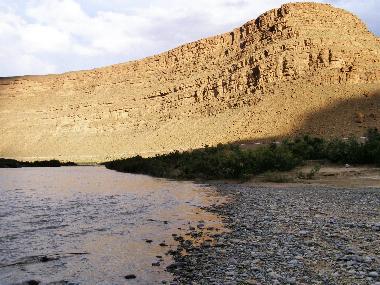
302 68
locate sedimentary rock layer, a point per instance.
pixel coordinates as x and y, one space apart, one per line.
304 67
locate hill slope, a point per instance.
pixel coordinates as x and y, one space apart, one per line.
304 67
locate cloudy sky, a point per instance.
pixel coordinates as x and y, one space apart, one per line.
51 36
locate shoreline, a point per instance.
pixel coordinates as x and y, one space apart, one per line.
131 221
287 234
328 174
12 163
325 230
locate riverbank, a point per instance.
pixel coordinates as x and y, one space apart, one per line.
12 163
327 174
288 234
237 161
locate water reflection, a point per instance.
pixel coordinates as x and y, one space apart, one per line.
89 225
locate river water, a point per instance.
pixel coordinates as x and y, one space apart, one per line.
90 225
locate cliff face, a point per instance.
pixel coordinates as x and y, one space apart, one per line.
272 77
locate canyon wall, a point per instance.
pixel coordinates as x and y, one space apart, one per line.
302 68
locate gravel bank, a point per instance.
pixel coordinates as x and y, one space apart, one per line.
287 235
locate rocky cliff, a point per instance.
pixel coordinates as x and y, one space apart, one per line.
304 67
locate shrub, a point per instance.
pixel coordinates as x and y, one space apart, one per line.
306 147
232 162
311 174
11 163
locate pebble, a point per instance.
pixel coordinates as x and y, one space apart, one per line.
285 235
130 276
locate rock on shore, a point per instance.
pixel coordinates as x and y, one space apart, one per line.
289 235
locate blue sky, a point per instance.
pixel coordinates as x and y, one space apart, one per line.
53 36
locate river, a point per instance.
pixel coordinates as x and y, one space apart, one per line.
90 225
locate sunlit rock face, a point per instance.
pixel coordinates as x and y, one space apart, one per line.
304 67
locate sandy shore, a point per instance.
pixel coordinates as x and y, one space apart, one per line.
328 175
291 234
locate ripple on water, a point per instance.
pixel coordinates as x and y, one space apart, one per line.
90 225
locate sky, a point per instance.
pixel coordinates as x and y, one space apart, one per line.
55 36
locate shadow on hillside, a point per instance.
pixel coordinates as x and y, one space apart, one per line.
346 118
349 117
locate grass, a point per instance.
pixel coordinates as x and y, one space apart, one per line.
309 175
231 162
276 177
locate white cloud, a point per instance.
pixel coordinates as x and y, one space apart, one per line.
25 64
13 58
40 36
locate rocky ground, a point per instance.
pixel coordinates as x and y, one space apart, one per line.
304 234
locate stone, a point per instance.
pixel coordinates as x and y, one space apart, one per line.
293 262
46 259
130 276
175 265
304 232
32 282
359 117
373 274
251 282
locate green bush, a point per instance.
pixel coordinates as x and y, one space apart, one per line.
307 147
372 147
11 163
222 161
232 162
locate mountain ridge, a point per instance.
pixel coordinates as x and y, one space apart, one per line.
247 84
